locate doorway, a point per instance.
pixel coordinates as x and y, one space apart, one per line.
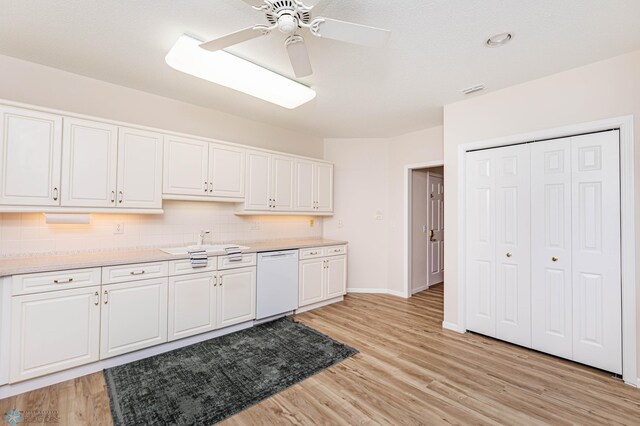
424 216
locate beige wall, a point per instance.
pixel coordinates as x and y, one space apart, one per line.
36 84
597 91
369 176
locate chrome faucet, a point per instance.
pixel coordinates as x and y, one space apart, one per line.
201 236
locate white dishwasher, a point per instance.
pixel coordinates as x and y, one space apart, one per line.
277 284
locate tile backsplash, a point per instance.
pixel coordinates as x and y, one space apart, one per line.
27 234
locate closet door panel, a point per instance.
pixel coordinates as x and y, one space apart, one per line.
551 288
597 312
480 224
513 256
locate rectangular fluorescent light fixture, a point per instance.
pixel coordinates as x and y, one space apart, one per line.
67 219
236 73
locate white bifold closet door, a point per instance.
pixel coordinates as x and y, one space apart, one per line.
498 243
576 298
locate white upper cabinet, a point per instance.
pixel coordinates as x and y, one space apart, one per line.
30 157
282 182
258 195
139 169
185 166
90 154
323 187
305 175
226 171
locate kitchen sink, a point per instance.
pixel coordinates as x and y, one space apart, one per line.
210 248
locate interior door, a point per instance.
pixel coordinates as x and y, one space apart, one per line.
54 331
30 157
304 196
226 171
186 166
435 223
236 296
311 281
480 224
513 245
133 316
324 187
258 194
90 155
551 290
139 169
282 182
597 309
192 304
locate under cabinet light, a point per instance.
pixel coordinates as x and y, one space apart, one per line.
228 70
67 219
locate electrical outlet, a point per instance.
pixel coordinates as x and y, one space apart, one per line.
379 215
119 229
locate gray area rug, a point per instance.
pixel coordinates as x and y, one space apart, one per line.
207 382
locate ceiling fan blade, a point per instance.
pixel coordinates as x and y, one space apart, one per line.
233 38
351 33
299 56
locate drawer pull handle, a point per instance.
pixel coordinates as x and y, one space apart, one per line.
68 280
313 253
55 194
137 272
106 297
120 197
113 196
97 298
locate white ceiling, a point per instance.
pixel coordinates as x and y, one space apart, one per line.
436 48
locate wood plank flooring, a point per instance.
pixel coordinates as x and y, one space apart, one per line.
409 371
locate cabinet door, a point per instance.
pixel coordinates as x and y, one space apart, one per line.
551 291
336 276
481 228
323 187
192 304
258 196
304 199
513 246
30 157
282 182
54 331
311 281
226 171
134 316
89 164
139 169
595 221
185 166
236 296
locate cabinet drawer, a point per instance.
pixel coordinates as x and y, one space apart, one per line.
134 272
248 259
311 253
335 250
59 280
181 267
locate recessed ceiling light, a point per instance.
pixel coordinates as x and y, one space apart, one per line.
499 40
236 73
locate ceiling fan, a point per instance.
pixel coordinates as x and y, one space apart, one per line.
291 16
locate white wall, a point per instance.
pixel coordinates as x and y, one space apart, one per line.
369 176
24 234
31 83
610 88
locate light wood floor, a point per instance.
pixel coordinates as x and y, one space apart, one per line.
409 371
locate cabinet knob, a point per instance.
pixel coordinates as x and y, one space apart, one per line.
509 254
554 259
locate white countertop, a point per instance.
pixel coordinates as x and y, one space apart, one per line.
33 264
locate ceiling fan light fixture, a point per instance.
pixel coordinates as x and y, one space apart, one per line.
499 40
228 70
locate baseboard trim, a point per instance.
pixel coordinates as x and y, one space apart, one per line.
376 291
319 304
453 327
83 370
419 289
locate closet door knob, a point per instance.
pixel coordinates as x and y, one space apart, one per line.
509 254
554 259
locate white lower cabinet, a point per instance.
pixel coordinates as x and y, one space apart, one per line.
134 316
322 278
54 331
192 304
236 296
